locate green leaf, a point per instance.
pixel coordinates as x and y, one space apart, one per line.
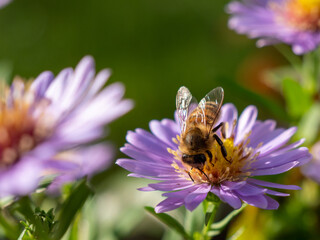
309 125
297 99
218 226
11 230
38 223
70 207
211 205
209 211
169 221
22 234
194 220
170 234
75 229
237 234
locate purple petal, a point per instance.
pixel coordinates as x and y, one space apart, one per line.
163 133
274 170
227 185
298 155
41 83
288 147
22 178
193 199
259 201
146 141
229 114
106 107
141 155
146 189
100 80
259 132
172 186
272 185
250 190
169 204
276 193
58 85
83 74
147 169
276 142
227 196
272 204
168 178
245 123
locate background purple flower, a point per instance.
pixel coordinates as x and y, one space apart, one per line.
256 148
312 169
52 116
294 22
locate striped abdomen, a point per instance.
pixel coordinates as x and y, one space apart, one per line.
206 115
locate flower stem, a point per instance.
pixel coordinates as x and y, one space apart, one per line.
212 207
293 59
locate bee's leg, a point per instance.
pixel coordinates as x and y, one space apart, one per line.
223 149
190 176
217 127
203 173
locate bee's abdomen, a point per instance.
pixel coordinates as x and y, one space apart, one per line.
205 116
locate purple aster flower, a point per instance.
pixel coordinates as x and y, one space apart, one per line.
254 148
294 22
311 169
51 116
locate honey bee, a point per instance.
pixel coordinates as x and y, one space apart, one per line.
198 130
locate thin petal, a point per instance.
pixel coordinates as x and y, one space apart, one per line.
41 83
169 204
245 123
250 190
274 170
272 185
276 142
259 201
229 114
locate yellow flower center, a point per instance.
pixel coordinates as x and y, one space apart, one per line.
300 14
20 131
218 169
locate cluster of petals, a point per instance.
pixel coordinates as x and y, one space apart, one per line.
57 118
151 159
293 22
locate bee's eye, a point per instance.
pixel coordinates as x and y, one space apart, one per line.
199 158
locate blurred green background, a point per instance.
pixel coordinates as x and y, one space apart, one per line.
153 47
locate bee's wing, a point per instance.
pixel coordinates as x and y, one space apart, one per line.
210 107
185 104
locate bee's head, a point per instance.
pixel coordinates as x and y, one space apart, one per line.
195 140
